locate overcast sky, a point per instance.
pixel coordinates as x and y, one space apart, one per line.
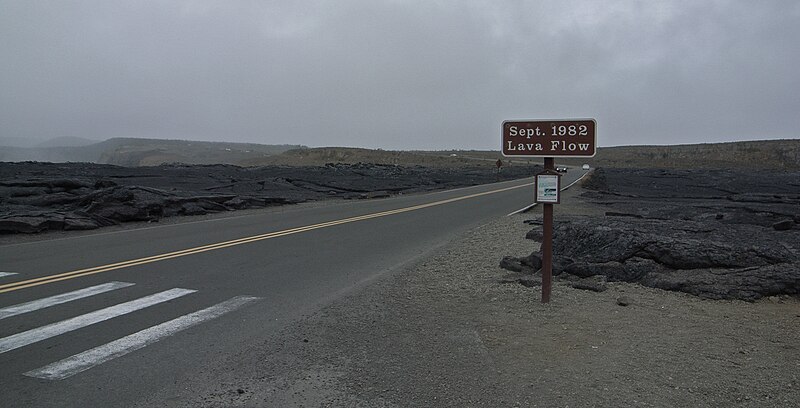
399 74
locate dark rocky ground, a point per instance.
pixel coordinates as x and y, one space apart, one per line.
38 196
714 234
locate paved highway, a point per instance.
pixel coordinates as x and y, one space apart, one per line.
105 319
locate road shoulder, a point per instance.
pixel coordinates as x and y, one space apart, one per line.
445 332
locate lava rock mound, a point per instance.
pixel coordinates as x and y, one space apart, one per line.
719 262
717 234
36 197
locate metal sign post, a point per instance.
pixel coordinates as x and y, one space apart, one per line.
548 139
547 238
547 192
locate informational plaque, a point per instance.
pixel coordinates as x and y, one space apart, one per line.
548 188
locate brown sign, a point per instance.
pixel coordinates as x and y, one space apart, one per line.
549 138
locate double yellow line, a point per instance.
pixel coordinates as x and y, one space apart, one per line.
9 287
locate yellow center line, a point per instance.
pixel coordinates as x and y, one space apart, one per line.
240 241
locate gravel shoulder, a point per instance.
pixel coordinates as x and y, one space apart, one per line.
443 331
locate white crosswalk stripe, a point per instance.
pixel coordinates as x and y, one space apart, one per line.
88 359
45 332
59 299
4 274
98 355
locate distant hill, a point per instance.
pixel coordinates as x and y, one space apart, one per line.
48 154
349 155
152 152
27 142
141 152
781 155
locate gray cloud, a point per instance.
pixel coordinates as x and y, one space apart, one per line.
398 74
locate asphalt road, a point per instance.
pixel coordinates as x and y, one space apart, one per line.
107 318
